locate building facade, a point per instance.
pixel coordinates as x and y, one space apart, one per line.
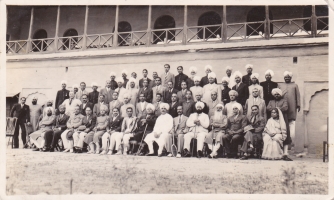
85 43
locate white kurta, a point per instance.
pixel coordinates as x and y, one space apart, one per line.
70 108
134 93
208 89
204 120
163 124
35 112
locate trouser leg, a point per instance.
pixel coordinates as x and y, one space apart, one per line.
82 136
236 139
65 140
118 138
76 136
23 133
149 139
105 139
16 135
187 140
292 127
161 141
48 135
126 140
180 142
55 138
248 138
200 141
169 142
227 143
112 141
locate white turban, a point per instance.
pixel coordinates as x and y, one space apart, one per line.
127 95
124 72
35 98
132 80
213 92
211 75
269 72
237 105
255 75
197 78
237 74
103 107
112 74
220 105
164 105
287 73
193 69
94 84
249 66
199 103
149 105
226 79
228 68
49 101
63 82
75 86
233 92
119 79
276 91
208 67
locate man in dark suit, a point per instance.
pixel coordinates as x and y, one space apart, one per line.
181 95
241 88
62 94
235 132
268 86
173 106
93 96
247 78
187 105
205 79
153 83
22 113
145 78
52 136
85 104
225 90
167 94
113 83
107 92
180 78
253 136
96 108
148 93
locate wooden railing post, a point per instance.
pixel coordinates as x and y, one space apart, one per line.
29 45
313 22
115 39
149 29
57 29
185 26
267 23
85 29
224 25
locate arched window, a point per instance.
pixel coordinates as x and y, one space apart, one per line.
209 18
164 22
257 14
319 11
39 45
70 43
125 38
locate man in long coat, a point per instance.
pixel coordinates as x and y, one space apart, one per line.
35 113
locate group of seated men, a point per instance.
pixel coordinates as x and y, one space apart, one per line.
130 115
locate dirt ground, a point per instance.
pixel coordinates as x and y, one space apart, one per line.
55 173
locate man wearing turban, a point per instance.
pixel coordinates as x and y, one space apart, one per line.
255 100
225 90
241 88
190 80
35 113
125 80
247 78
255 84
290 92
93 97
205 79
162 127
228 70
211 87
228 110
198 124
113 83
62 94
196 89
268 86
132 90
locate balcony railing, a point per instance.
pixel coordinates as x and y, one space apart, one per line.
193 34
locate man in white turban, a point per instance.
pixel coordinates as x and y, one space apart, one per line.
196 89
132 90
198 124
136 81
247 78
228 70
35 113
127 104
125 80
241 88
214 101
190 80
255 84
228 110
205 79
290 93
162 127
211 87
120 89
113 83
75 89
235 129
268 86
225 90
62 94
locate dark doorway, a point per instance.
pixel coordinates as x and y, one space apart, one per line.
124 39
164 22
39 45
319 11
70 43
257 14
209 18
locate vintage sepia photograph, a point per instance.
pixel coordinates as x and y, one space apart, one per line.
167 99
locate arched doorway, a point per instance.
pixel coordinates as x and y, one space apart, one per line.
125 38
39 45
164 22
70 43
257 14
209 18
319 11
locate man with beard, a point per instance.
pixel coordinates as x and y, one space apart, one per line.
228 110
225 90
196 89
190 80
181 77
241 88
205 79
254 130
290 92
282 104
62 94
133 91
125 80
198 124
247 78
211 87
107 92
35 113
148 93
193 107
235 132
71 103
97 107
52 136
113 83
145 78
38 137
218 123
93 96
82 91
161 129
167 76
85 104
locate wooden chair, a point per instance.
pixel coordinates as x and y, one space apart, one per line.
10 129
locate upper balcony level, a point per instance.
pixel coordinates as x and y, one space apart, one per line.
53 29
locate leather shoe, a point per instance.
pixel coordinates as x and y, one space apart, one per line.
35 149
186 153
286 158
152 154
52 149
199 154
160 155
244 158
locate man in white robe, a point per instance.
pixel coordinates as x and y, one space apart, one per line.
196 89
133 91
211 87
35 113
